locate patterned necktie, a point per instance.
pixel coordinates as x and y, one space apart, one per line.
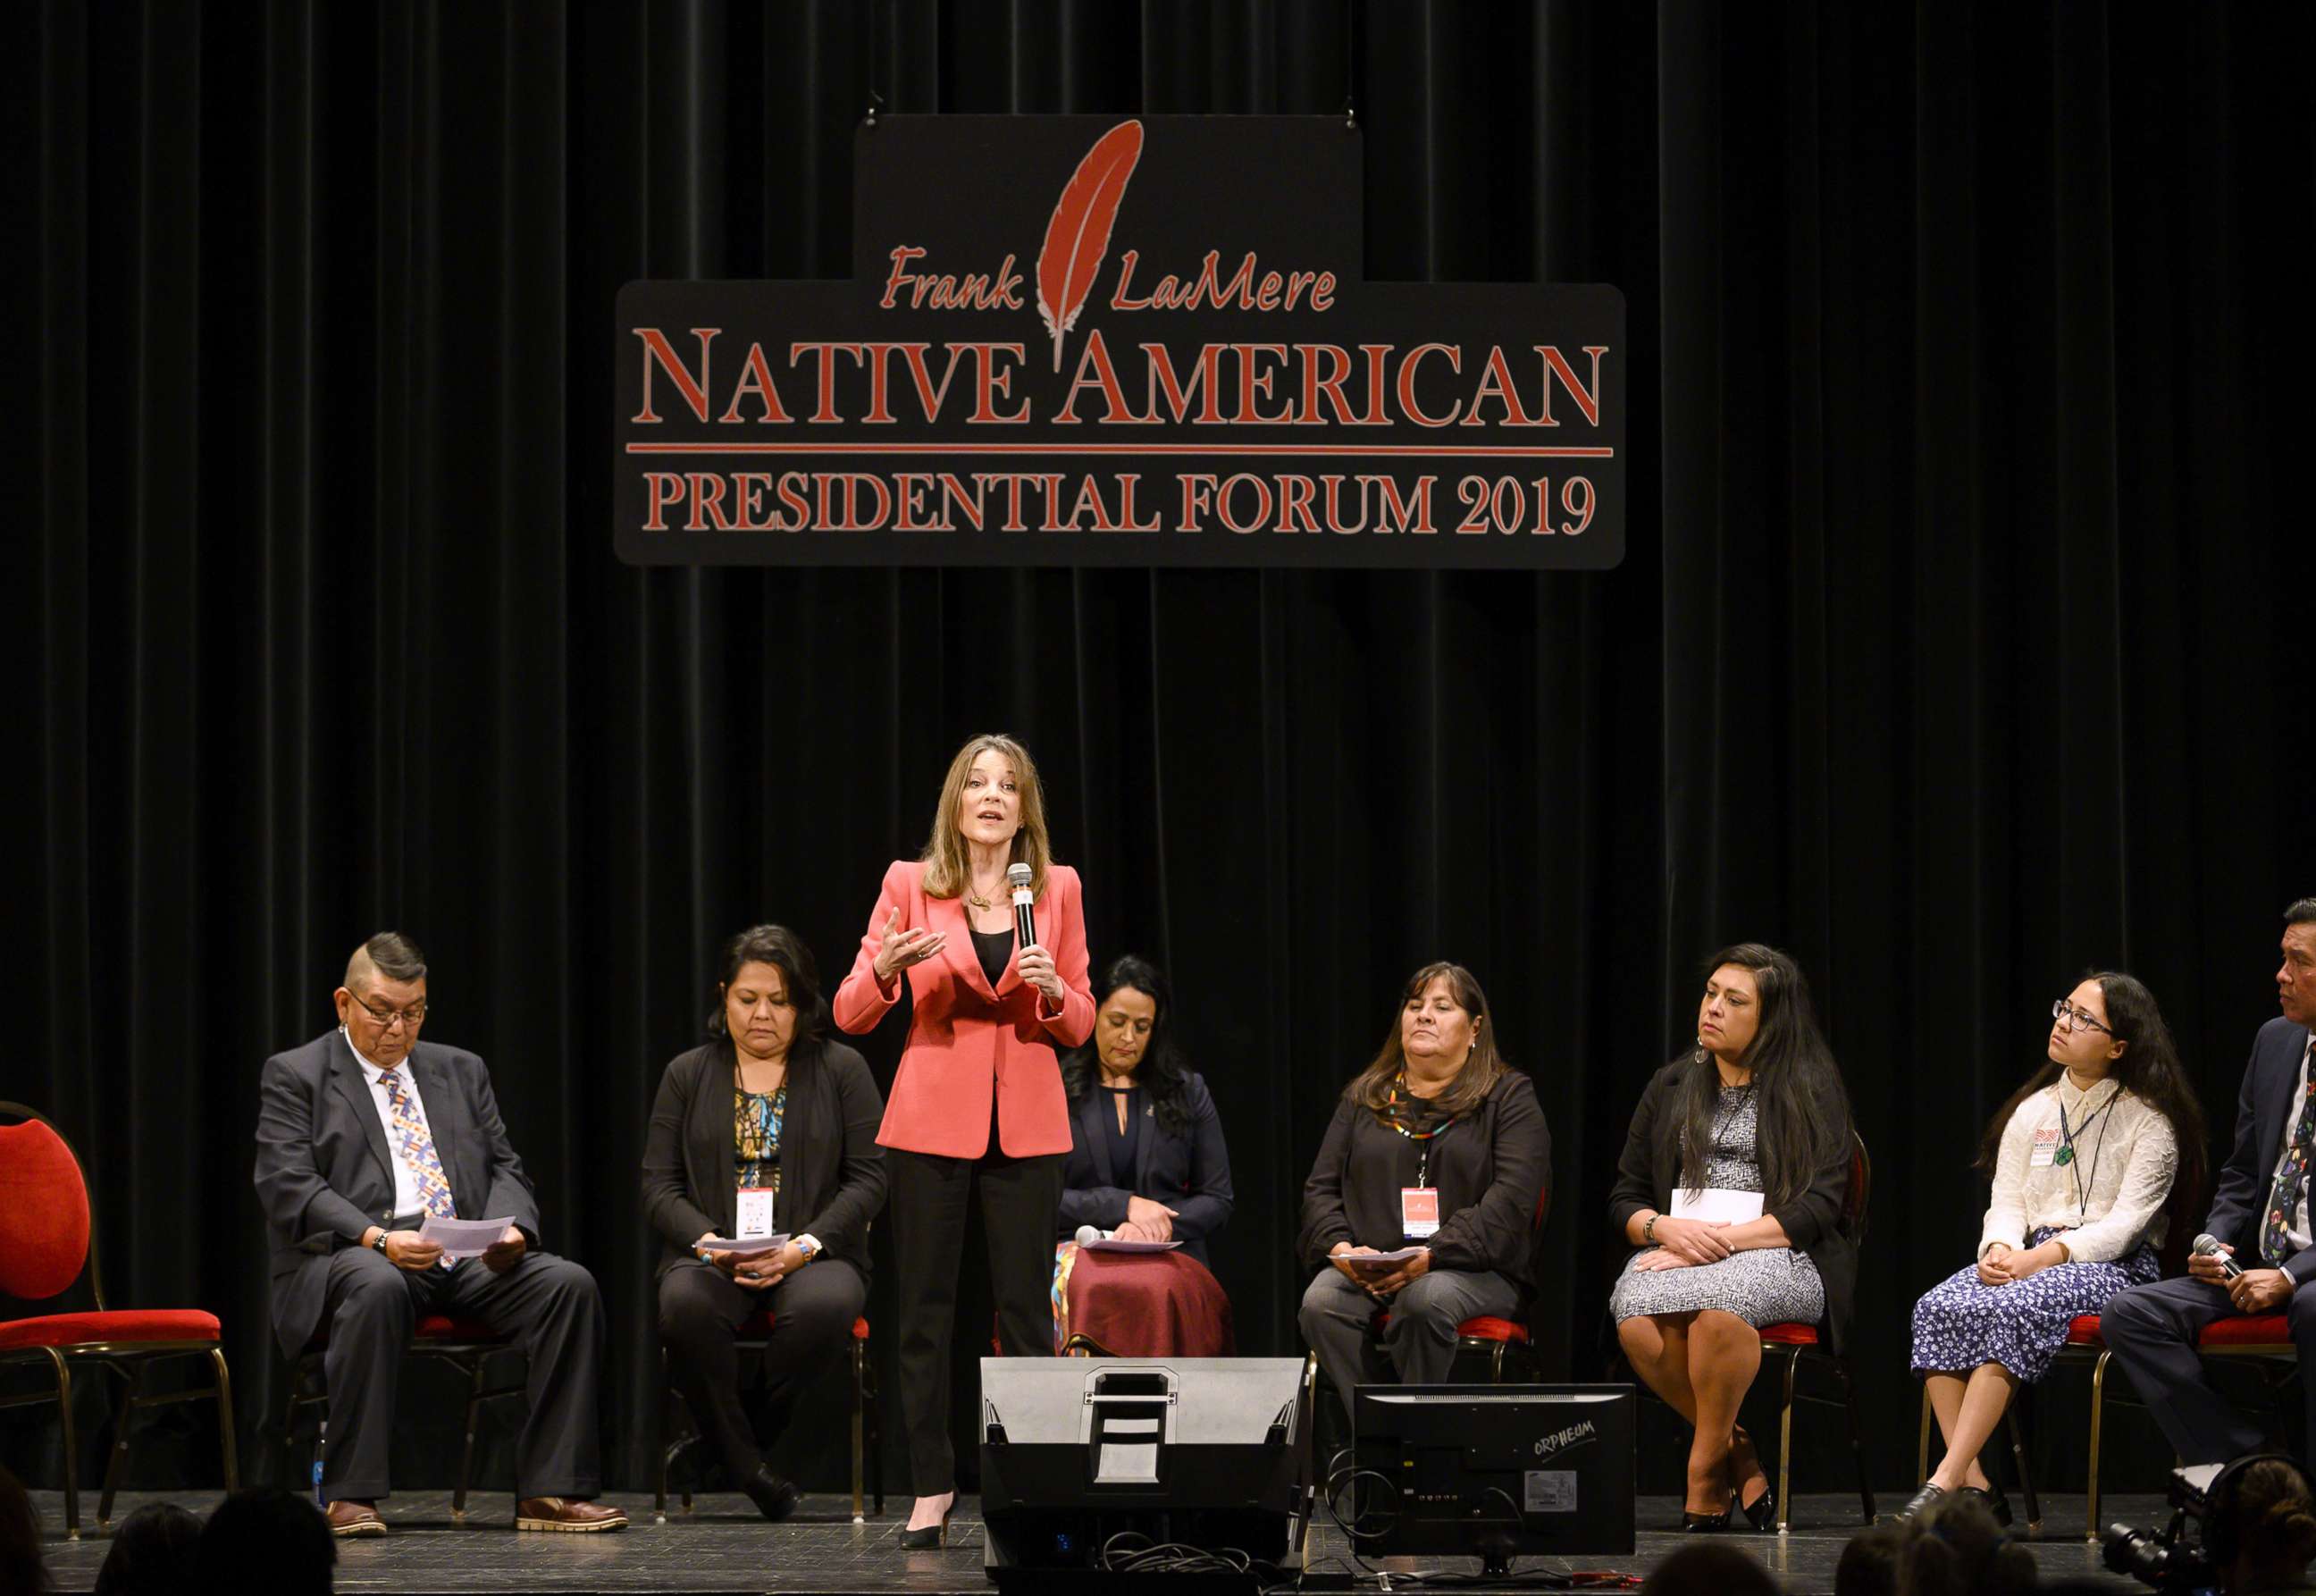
2284 1196
417 1147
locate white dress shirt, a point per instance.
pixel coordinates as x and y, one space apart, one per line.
409 1197
2108 1197
2296 1237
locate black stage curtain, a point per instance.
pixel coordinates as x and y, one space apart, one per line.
1964 642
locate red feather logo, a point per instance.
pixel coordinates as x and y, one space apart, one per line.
1078 237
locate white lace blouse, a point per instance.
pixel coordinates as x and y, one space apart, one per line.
2101 1174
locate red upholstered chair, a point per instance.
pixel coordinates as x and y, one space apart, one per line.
467 1345
48 1234
868 1423
1797 1341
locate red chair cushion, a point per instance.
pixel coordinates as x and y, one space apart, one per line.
757 1326
43 1212
2256 1330
2084 1330
1488 1327
120 1324
444 1327
1790 1336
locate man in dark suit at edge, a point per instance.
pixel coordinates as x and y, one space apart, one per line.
2259 1215
361 1134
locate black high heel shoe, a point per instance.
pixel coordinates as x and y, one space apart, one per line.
932 1537
1707 1524
1761 1512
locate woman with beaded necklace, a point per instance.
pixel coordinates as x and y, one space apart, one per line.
1439 1148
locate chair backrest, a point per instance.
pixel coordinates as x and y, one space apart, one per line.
1861 1189
44 1214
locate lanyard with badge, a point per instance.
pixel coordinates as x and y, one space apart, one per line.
2056 1149
755 1201
1419 1205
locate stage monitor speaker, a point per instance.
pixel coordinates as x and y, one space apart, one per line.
1081 1456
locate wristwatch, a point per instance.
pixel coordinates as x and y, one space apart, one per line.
379 1244
809 1246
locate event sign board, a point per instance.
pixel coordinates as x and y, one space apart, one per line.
1098 341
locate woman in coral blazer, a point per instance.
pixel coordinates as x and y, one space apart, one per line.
978 1097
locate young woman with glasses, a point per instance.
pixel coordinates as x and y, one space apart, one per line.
2092 1160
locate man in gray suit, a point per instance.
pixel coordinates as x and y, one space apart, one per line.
2259 1215
362 1134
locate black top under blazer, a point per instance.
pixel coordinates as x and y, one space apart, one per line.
324 1174
1493 1168
831 1170
1649 1168
2265 1103
1188 1170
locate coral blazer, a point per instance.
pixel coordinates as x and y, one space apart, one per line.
966 1039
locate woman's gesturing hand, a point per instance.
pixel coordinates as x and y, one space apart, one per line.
1037 970
900 949
1692 1241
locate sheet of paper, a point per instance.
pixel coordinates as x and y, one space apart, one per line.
1716 1205
462 1238
746 1247
1382 1263
1114 1245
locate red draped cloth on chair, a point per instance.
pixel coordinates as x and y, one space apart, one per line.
1146 1305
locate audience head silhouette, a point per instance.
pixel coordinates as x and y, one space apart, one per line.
152 1553
1710 1568
265 1540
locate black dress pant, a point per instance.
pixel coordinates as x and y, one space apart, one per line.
547 1306
699 1312
1020 1200
2152 1329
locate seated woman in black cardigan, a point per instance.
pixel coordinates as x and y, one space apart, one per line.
1146 1154
1752 1118
1439 1144
772 1125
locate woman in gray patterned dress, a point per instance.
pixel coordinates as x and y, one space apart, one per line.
1753 1121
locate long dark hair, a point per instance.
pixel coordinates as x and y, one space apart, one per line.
1794 1080
1162 1072
2148 1068
1482 1067
787 952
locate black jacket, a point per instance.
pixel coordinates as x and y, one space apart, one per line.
831 1170
2262 1107
1189 1172
1649 1168
324 1174
1493 1168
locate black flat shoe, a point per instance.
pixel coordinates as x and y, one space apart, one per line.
775 1498
932 1537
1922 1499
1707 1524
1996 1502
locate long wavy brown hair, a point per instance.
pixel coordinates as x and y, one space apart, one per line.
949 868
1484 1066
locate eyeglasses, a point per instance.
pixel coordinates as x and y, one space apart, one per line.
386 1018
2075 1018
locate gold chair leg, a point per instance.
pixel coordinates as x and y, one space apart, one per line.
129 1405
467 1455
1922 1443
1786 1444
72 1449
2098 1405
225 1421
860 1405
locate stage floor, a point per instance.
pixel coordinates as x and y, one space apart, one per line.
723 1548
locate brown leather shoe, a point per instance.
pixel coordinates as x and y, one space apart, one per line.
565 1513
349 1518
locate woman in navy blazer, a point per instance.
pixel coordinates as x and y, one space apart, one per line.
1147 1153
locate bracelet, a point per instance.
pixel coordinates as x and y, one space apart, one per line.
1649 1231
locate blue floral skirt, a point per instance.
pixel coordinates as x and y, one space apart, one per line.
1961 1323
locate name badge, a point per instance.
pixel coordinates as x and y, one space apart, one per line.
2046 1149
1419 1210
755 1215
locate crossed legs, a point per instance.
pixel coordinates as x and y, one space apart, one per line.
1969 1406
1702 1364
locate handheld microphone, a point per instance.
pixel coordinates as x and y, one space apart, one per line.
1025 922
1087 1234
2208 1246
